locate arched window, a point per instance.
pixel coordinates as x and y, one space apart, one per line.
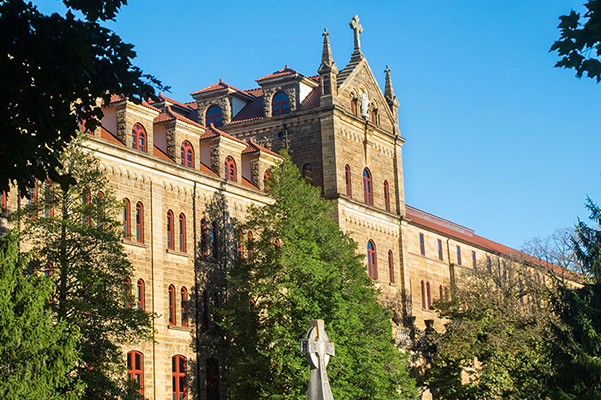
138 137
170 230
386 196
203 237
182 233
48 210
171 305
250 247
280 104
135 369
266 178
140 294
390 266
183 297
187 154
374 116
178 377
230 169
423 287
3 202
85 201
428 296
354 101
126 219
205 310
214 116
347 180
371 260
139 222
307 173
215 240
367 193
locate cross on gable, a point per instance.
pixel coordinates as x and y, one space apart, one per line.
357 29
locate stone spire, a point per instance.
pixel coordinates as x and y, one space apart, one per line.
326 56
388 90
391 99
327 73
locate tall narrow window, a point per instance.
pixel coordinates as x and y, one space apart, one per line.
140 294
100 209
440 249
423 287
139 222
266 177
474 259
458 255
3 202
126 219
178 377
422 245
85 201
203 237
187 154
280 104
230 169
138 137
374 116
372 267
214 116
347 180
386 196
390 266
135 369
182 233
215 240
488 262
170 230
48 210
367 187
171 305
428 296
440 291
183 294
307 173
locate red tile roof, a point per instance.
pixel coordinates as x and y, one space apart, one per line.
212 132
192 104
312 99
282 72
314 78
217 86
204 168
248 183
256 92
170 100
161 154
253 148
251 111
169 115
106 135
116 98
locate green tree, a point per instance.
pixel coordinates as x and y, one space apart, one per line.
37 351
77 232
58 67
300 266
493 346
580 42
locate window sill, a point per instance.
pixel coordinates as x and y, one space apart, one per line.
134 243
180 328
178 253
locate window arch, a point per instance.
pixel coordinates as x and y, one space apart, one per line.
266 178
183 297
367 189
214 240
126 219
214 116
178 377
307 173
423 287
138 137
230 169
140 294
135 369
428 295
280 104
170 244
390 266
139 222
171 305
182 233
371 260
347 180
187 154
203 237
386 196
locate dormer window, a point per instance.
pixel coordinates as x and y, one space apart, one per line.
230 169
280 104
138 137
214 116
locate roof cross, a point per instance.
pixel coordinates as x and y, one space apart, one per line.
357 29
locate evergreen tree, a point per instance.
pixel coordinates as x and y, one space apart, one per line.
298 266
76 231
37 351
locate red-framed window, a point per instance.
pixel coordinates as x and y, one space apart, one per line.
280 104
372 267
230 169
126 219
135 369
428 295
3 202
139 222
440 257
441 291
182 233
367 189
458 255
138 137
170 240
214 239
183 298
390 266
250 247
203 238
386 196
100 208
307 173
140 294
473 259
423 287
171 305
187 154
266 178
48 209
85 201
422 245
178 377
214 116
347 180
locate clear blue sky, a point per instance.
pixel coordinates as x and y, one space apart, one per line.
497 139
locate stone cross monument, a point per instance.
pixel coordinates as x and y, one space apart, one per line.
357 29
318 349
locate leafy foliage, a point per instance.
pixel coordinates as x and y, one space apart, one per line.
58 67
76 231
300 267
580 43
37 351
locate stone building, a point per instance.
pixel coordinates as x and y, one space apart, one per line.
186 171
